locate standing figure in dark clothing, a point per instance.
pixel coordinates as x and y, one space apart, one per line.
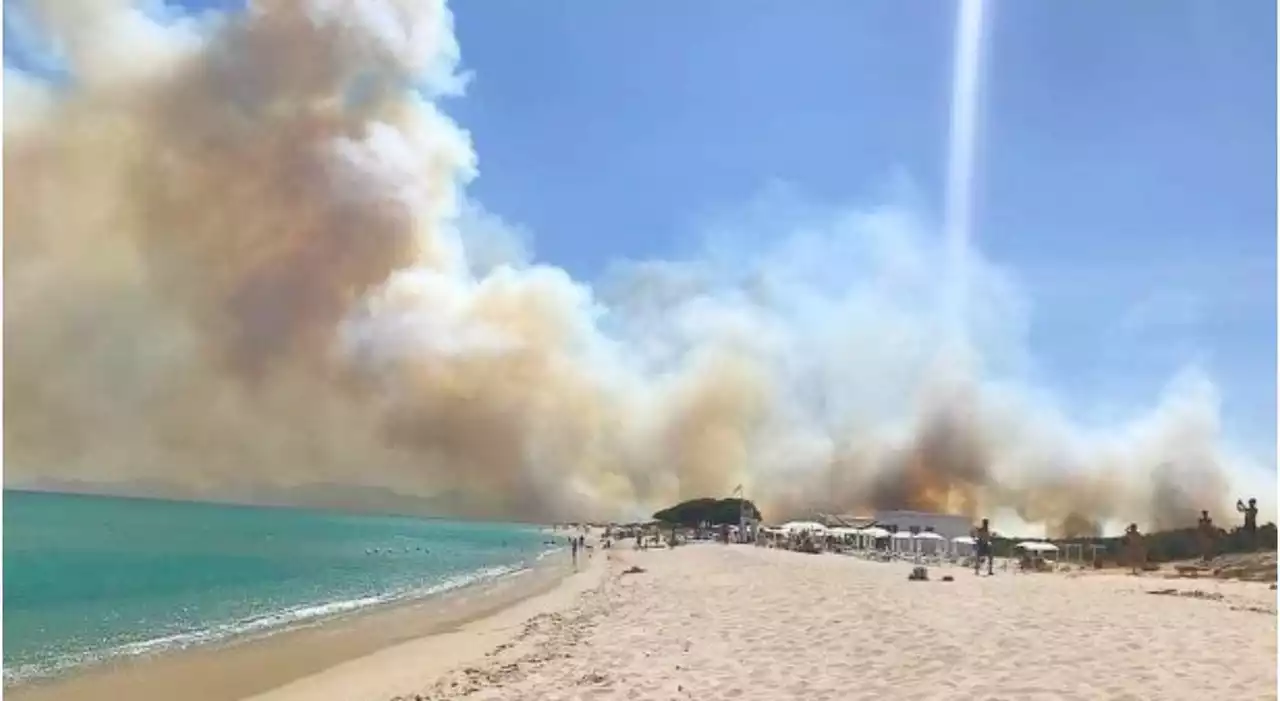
573 547
1135 551
982 548
1208 534
1250 521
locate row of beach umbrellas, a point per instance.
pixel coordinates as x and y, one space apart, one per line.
876 532
869 532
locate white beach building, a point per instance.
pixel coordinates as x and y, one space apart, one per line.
946 525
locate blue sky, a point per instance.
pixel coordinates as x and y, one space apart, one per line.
1126 158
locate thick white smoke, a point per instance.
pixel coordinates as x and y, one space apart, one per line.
241 264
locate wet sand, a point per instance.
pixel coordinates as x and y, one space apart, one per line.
252 666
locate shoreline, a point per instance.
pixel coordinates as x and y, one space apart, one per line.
257 664
407 670
727 622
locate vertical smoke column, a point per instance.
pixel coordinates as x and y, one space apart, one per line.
946 465
960 164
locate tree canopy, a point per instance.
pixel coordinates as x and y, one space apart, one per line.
714 511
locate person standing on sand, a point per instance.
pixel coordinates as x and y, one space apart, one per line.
982 547
1133 547
573 548
1208 535
1250 522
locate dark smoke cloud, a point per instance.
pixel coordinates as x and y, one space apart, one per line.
240 261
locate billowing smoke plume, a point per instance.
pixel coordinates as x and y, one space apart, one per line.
240 260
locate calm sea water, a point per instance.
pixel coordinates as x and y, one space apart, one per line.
88 578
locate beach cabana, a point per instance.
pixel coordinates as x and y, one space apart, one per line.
803 526
805 536
1036 554
963 546
869 536
771 535
930 542
900 542
845 534
843 531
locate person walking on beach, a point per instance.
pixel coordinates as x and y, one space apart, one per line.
982 546
573 549
1250 522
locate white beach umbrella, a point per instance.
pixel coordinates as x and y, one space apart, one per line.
1037 546
874 532
963 540
930 535
797 526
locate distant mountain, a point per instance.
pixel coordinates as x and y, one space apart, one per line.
340 497
136 488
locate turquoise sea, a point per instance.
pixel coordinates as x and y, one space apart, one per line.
88 578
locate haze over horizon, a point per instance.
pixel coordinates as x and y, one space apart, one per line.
254 252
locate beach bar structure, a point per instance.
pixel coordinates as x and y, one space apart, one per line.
946 525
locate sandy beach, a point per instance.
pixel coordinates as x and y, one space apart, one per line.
712 622
727 622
